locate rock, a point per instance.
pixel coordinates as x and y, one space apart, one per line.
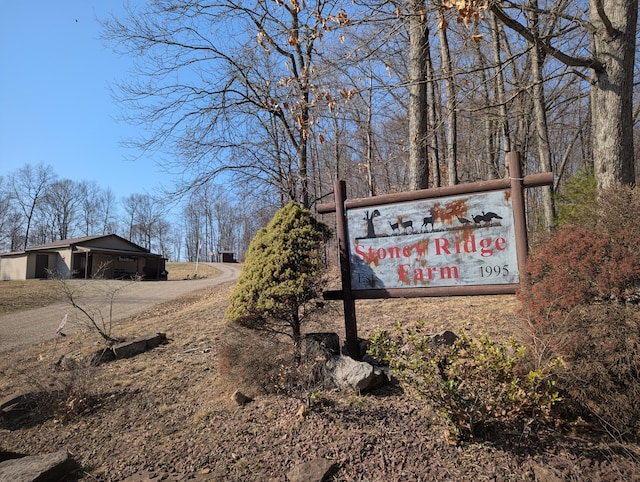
17 406
240 398
42 468
316 470
543 474
155 339
5 455
128 349
99 354
446 338
326 345
302 412
349 374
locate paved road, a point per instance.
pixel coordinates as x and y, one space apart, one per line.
39 325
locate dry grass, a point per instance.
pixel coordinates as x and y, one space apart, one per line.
170 408
34 293
180 271
23 295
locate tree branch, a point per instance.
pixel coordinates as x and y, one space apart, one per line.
569 60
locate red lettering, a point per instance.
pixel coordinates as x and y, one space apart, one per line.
442 246
394 252
501 244
470 244
485 250
449 272
403 271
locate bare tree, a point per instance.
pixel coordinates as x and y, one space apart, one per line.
610 40
451 115
62 202
202 76
418 51
28 186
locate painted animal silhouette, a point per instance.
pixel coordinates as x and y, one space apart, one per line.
488 217
426 221
371 232
405 224
485 217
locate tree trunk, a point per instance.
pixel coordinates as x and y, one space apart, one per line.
433 150
451 116
500 90
418 40
539 109
612 91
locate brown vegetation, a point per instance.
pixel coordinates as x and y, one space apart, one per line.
168 411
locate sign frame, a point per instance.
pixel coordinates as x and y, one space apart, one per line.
516 183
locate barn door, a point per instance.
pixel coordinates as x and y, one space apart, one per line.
42 265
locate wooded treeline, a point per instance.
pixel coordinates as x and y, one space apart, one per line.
275 99
37 207
289 95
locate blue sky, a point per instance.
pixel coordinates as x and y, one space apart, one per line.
55 103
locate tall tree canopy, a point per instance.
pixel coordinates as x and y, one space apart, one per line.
285 96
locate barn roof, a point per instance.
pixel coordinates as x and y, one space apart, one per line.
78 242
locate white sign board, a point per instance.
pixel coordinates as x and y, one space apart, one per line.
455 241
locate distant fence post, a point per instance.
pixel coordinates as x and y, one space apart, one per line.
351 330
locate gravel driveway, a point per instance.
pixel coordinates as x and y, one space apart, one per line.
39 325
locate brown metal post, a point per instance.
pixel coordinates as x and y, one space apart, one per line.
519 217
351 330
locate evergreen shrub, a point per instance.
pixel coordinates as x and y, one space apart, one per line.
284 270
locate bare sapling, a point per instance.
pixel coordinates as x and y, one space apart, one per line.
95 313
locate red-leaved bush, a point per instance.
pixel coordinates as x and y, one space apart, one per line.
577 266
579 301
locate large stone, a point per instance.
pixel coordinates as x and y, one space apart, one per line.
349 374
240 398
41 468
128 349
155 339
326 345
316 470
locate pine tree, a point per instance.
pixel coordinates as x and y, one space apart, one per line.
283 271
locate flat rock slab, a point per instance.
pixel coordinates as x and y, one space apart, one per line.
49 467
128 349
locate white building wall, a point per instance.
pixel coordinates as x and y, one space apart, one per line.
13 268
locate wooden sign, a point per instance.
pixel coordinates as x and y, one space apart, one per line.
453 241
466 239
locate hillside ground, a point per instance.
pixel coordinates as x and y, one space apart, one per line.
168 415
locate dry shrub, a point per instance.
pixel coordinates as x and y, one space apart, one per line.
602 371
58 394
256 363
579 299
482 387
582 264
578 266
